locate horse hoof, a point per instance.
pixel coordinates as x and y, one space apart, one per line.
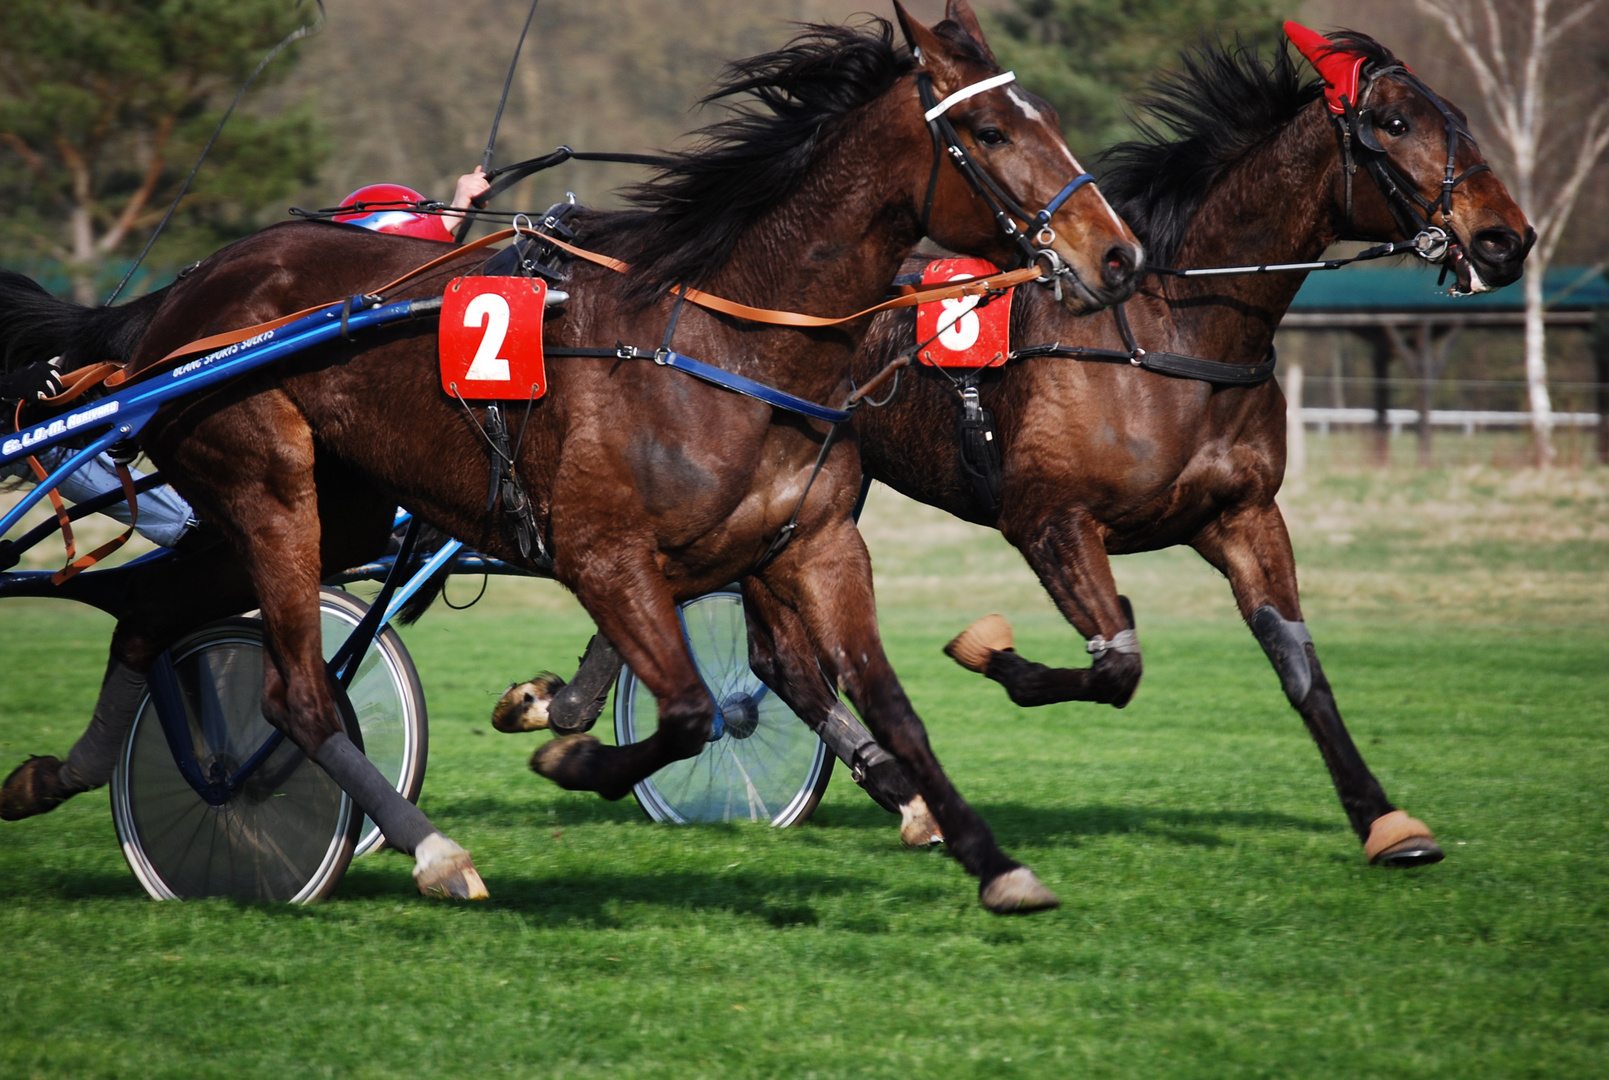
973 647
917 828
565 760
524 706
33 788
1017 892
446 872
453 878
1399 841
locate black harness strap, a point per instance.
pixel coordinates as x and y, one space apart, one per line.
1177 365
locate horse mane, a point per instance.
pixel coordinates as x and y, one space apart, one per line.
690 215
1202 120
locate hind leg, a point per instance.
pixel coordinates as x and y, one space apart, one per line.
629 599
1253 550
1070 559
261 490
825 576
165 601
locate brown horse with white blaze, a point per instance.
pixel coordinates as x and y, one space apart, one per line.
649 487
1104 458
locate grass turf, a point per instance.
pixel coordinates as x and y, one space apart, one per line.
1217 917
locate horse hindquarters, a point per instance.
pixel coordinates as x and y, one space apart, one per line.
1252 548
257 455
824 576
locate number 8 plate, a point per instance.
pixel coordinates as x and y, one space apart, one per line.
491 338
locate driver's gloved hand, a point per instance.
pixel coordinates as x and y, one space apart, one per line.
32 383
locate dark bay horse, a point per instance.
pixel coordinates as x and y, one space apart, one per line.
649 486
1105 458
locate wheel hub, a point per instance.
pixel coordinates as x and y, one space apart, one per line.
741 715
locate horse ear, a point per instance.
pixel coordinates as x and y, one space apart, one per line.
960 12
937 58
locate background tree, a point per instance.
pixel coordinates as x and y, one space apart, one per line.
1087 57
103 108
1542 69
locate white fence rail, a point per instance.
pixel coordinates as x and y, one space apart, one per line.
1468 419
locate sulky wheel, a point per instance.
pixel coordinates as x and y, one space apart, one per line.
761 763
290 832
287 834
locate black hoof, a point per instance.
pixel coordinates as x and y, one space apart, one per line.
1414 851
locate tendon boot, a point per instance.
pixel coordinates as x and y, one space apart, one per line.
576 704
34 787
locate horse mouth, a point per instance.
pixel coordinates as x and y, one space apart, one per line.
1466 279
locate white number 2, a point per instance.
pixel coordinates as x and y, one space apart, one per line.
491 309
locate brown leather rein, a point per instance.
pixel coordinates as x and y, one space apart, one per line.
112 375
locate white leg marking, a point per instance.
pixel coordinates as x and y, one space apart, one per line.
433 849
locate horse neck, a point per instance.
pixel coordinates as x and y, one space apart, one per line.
1274 205
832 247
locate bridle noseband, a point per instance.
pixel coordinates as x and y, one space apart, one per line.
1007 211
1410 209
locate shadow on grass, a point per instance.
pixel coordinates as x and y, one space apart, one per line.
1019 823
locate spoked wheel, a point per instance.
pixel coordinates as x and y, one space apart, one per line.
388 701
288 834
761 763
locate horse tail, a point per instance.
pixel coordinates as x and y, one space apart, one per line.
36 325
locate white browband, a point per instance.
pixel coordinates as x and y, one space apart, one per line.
968 91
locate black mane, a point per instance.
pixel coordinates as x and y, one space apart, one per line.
1203 119
692 213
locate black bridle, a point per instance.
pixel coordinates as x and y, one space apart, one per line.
1006 209
1412 211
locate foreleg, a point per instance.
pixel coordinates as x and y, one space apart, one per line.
1252 548
1070 558
826 578
780 654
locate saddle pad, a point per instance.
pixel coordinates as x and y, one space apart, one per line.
491 338
969 334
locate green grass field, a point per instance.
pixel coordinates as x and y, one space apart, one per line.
1217 918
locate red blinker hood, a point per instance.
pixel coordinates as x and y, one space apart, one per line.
1340 69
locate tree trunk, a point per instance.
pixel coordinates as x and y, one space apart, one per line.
1536 368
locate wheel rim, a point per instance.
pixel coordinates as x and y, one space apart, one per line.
761 763
285 836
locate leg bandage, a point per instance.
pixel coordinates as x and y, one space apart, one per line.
404 824
90 763
1286 644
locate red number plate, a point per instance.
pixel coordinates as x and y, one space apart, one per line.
491 338
967 335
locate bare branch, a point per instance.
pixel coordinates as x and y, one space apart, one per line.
131 210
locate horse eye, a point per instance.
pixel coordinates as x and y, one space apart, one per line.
991 137
1396 127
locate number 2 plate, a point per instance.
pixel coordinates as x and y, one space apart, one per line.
491 338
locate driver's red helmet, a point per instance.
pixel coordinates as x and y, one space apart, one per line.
390 208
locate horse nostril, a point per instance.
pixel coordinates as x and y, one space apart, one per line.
1118 268
1498 245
